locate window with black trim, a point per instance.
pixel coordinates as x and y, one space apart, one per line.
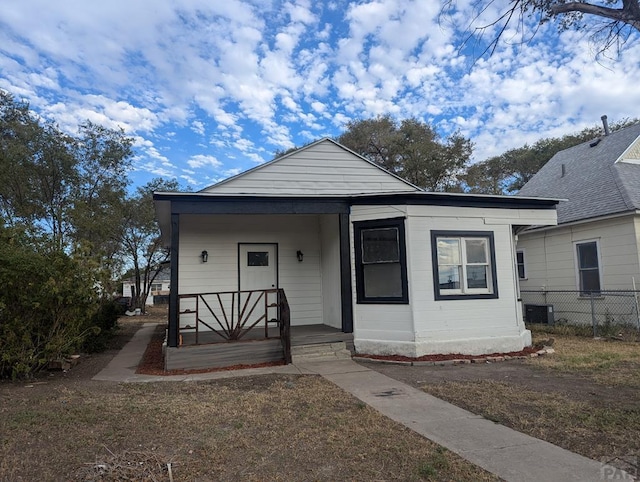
520 264
381 268
464 265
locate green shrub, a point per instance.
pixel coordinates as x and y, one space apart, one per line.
47 301
104 323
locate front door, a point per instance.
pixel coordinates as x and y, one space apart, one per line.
258 264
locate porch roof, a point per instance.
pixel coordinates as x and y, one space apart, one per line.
170 203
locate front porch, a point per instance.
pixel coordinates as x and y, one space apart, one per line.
255 349
225 329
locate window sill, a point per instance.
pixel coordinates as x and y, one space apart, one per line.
487 296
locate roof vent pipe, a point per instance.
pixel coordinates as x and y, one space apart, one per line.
605 124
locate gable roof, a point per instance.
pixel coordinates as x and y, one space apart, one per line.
321 168
599 177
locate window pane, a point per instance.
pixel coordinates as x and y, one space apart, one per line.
380 245
589 280
448 251
258 258
521 271
477 277
588 255
476 250
449 277
520 257
382 280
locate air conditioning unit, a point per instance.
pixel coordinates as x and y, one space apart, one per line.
539 314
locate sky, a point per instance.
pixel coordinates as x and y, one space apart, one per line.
209 88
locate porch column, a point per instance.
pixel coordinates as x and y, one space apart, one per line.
345 274
173 292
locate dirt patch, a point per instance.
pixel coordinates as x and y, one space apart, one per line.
453 356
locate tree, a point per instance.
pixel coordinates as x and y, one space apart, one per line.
412 149
63 190
611 22
140 238
508 172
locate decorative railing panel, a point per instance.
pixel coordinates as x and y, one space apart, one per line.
229 314
233 315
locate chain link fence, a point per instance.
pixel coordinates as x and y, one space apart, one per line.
605 311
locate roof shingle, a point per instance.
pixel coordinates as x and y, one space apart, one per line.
594 184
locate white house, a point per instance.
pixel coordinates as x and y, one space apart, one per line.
595 247
159 287
353 247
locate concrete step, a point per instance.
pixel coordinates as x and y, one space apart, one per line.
320 352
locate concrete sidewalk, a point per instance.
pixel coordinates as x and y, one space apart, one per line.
511 455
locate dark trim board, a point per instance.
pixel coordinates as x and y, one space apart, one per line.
468 200
242 205
173 292
254 204
346 293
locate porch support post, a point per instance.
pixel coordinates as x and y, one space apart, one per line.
173 292
345 274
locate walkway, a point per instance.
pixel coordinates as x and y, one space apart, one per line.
511 455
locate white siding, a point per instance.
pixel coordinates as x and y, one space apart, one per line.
379 328
220 235
550 259
330 264
427 326
322 168
126 290
466 326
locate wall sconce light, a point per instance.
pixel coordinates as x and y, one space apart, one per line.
205 256
300 256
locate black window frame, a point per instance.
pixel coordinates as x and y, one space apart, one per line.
579 270
523 264
358 228
489 235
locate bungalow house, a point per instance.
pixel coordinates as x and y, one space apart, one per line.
595 247
325 238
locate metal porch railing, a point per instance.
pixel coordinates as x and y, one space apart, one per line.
234 315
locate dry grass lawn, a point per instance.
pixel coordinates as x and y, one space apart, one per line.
607 362
585 397
259 428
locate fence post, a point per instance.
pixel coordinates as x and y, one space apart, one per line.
593 315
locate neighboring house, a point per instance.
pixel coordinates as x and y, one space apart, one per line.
159 288
355 248
596 245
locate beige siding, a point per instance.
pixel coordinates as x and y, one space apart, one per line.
220 236
632 153
323 168
550 254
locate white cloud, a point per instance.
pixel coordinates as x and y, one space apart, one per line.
197 127
256 76
202 160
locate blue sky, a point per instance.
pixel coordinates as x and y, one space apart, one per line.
209 88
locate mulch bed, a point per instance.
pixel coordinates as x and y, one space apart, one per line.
152 362
452 356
